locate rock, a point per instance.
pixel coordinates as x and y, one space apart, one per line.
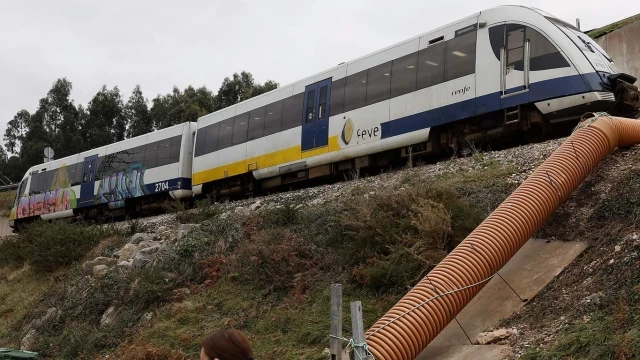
493 337
116 254
124 266
128 252
139 237
100 270
147 244
617 248
108 316
184 229
255 206
109 262
30 341
611 261
140 261
150 250
148 316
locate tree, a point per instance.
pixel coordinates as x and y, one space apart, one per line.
35 140
179 107
16 130
239 88
137 114
106 122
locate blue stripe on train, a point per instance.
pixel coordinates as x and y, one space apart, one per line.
168 185
152 188
538 91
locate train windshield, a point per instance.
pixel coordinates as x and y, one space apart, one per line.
596 55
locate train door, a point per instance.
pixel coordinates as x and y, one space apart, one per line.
515 66
87 187
315 121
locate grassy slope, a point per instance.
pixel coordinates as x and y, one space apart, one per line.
6 202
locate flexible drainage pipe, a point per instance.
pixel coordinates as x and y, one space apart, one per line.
421 314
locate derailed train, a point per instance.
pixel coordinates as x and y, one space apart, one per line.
504 72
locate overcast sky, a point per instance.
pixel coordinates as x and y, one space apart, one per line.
159 44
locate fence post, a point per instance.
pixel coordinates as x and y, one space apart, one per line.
335 345
357 326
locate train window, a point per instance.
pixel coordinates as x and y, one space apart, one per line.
311 103
150 155
71 174
136 155
201 141
379 83
431 65
543 54
212 141
224 135
78 179
355 92
322 103
164 152
240 128
93 170
515 46
461 56
176 144
292 111
273 118
256 123
337 97
403 74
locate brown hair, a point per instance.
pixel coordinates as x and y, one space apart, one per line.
227 345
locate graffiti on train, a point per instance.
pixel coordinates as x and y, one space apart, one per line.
120 185
56 195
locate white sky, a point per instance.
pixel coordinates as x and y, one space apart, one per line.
158 44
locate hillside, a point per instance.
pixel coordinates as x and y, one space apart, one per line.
152 288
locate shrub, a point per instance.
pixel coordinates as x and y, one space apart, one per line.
48 246
6 202
203 210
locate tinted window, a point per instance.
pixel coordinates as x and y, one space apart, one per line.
256 123
211 138
176 143
292 111
461 56
431 65
224 135
164 152
403 74
273 118
337 97
137 155
79 167
200 141
240 128
311 102
355 92
151 155
322 103
515 46
379 83
71 172
543 54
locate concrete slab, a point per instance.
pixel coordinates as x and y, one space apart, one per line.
528 272
465 352
5 230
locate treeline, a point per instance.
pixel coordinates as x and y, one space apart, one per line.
69 128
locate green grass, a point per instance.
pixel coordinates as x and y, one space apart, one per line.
613 27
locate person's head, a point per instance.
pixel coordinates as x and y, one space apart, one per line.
226 345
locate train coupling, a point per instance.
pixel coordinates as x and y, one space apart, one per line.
626 93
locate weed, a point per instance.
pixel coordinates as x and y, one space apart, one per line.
135 226
6 202
203 210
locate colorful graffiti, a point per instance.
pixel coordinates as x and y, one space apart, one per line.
59 197
120 185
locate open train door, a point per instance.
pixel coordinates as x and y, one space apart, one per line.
514 64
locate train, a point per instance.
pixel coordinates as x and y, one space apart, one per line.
505 72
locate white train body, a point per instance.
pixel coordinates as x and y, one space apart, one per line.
507 69
494 62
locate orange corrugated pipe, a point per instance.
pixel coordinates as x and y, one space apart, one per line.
421 314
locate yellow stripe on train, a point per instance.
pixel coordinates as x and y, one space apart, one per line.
263 161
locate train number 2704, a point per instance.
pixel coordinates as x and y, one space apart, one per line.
162 186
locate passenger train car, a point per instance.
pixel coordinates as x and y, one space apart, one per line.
116 179
500 73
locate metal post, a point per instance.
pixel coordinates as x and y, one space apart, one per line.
358 330
335 345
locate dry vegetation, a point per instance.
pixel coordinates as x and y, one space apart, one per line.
6 202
